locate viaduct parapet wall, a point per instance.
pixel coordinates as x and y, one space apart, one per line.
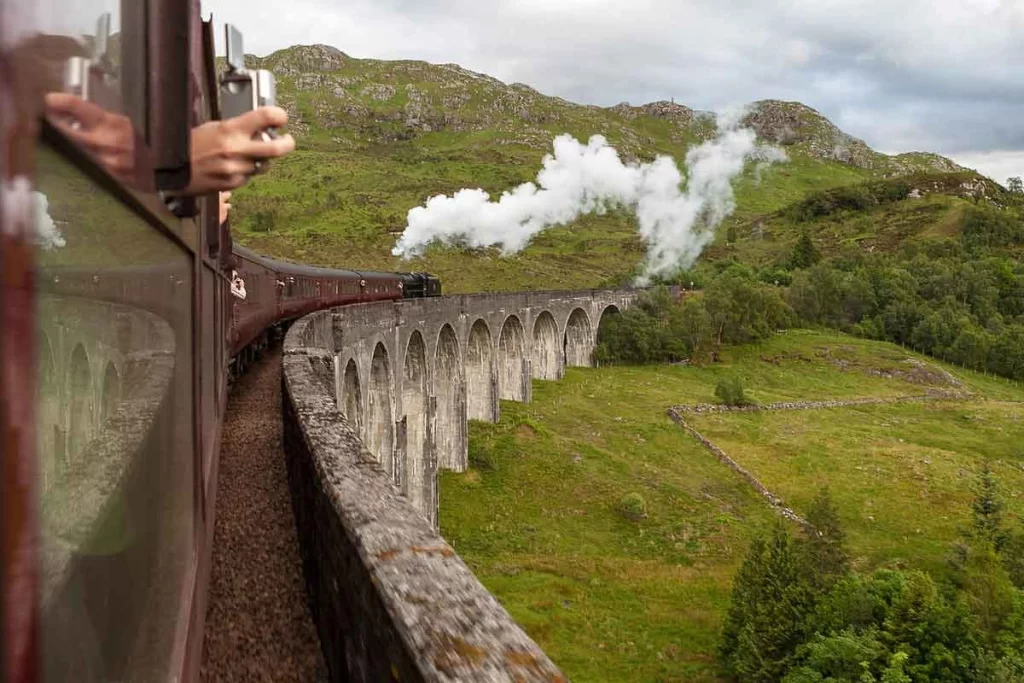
376 399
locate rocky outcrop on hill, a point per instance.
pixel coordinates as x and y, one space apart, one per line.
669 111
380 101
301 59
911 162
793 123
965 186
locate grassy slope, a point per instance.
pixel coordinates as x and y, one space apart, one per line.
612 600
376 139
535 517
770 239
98 230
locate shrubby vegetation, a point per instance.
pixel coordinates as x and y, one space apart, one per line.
799 615
633 507
734 307
856 197
730 392
960 300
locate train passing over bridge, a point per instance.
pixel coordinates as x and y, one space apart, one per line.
124 309
125 312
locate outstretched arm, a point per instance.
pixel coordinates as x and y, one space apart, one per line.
224 153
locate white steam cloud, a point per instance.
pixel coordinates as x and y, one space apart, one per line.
18 198
47 235
578 179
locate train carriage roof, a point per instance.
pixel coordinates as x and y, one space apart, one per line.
293 268
312 271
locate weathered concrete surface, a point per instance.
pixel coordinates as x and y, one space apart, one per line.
391 599
449 360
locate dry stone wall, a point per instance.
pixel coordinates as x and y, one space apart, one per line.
677 412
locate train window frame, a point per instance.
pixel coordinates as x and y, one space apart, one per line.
148 89
153 214
171 30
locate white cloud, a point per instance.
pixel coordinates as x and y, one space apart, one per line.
901 74
997 165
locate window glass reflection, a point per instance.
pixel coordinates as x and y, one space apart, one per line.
115 432
92 56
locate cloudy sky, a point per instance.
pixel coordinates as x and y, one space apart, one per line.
933 75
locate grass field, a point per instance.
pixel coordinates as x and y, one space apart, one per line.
536 516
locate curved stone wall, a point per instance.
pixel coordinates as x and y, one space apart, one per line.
391 599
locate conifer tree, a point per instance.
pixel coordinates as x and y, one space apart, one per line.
746 593
823 551
988 509
769 613
805 254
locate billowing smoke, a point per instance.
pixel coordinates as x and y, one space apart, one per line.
578 179
47 235
18 198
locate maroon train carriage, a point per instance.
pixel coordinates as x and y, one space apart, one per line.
270 293
116 343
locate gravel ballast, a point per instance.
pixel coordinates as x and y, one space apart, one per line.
258 625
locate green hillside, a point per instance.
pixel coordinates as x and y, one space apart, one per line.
377 138
538 515
875 216
911 249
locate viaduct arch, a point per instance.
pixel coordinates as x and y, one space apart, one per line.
409 375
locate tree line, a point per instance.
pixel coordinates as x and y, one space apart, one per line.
733 307
960 300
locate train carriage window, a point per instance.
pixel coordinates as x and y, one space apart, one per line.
118 520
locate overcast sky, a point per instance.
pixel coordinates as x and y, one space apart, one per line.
932 75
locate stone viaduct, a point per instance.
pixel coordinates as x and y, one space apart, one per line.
86 351
409 375
376 398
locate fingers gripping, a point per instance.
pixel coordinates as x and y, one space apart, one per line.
259 119
259 149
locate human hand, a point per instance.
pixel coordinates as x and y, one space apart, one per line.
109 137
224 153
225 206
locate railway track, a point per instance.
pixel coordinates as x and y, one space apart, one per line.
258 624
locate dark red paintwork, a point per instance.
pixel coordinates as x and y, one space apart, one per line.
165 89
